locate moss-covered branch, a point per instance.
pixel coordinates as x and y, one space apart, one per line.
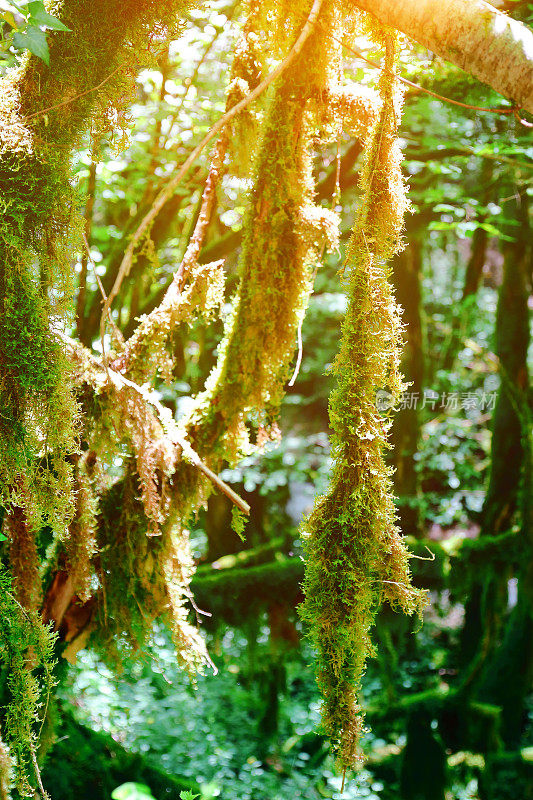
471 34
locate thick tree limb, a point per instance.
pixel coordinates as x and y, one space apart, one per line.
472 35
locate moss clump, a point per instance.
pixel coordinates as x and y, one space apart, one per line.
43 112
37 408
150 350
26 658
142 578
355 556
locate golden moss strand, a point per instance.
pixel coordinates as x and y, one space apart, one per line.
354 554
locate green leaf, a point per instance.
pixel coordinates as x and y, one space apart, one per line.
8 17
3 537
238 522
188 795
34 40
39 15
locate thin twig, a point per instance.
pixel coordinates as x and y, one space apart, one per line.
171 186
424 558
301 322
37 772
462 152
104 299
178 438
168 423
72 99
401 585
300 354
44 793
196 241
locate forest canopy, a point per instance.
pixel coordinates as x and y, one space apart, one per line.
255 253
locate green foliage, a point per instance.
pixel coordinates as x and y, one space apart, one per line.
213 735
28 29
132 791
91 765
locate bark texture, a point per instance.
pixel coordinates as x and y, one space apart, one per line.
472 35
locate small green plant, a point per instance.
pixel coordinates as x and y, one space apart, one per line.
27 26
238 522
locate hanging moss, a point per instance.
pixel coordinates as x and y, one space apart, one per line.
36 137
26 656
149 351
283 231
44 111
140 576
23 560
355 557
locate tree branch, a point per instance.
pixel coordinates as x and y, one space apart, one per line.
471 34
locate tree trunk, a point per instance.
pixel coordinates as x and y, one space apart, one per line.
512 340
486 604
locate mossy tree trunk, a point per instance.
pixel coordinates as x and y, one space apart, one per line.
44 112
512 433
